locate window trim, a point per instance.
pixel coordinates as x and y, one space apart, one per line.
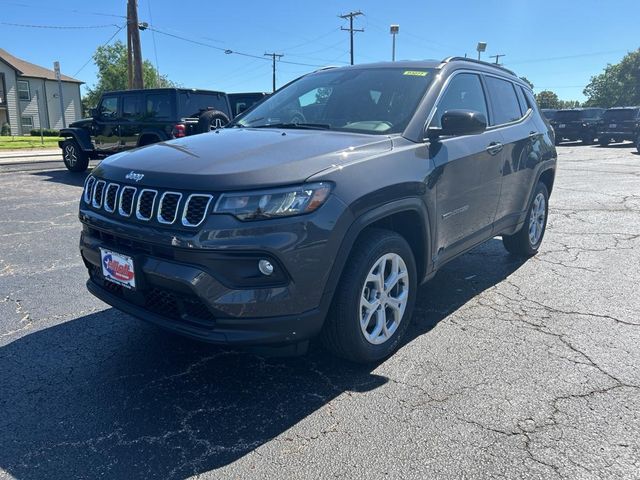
513 122
445 87
18 82
22 127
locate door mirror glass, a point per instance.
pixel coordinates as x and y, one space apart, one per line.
459 122
94 112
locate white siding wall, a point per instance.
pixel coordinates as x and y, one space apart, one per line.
12 95
29 108
72 106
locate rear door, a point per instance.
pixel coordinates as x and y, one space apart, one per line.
468 172
107 137
521 136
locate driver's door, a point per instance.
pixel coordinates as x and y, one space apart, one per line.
106 130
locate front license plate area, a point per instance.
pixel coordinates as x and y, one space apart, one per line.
118 268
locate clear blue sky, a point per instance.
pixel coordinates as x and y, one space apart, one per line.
557 44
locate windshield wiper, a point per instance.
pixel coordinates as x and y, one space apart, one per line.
306 126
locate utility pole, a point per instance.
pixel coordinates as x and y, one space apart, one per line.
497 57
351 30
134 51
56 69
393 30
273 65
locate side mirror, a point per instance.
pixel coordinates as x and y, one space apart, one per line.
93 112
459 122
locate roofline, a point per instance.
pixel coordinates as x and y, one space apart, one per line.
73 80
147 90
480 62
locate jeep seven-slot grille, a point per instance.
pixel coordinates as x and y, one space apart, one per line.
110 197
147 205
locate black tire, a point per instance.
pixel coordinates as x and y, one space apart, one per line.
212 120
520 243
342 333
587 140
603 142
74 158
558 141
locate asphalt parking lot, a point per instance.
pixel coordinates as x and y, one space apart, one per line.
513 369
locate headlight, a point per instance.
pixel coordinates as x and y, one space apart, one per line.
280 202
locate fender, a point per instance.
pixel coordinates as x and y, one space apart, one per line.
411 204
544 167
80 135
159 134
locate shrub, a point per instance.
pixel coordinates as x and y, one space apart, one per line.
5 131
46 132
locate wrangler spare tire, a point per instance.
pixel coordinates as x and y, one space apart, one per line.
212 120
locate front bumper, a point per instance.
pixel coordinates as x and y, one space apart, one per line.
205 284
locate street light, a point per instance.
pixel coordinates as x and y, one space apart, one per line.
482 46
393 30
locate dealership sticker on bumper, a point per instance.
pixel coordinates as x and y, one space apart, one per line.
118 268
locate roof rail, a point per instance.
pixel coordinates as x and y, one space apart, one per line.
466 59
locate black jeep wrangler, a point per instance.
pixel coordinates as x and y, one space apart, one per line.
577 124
134 118
620 124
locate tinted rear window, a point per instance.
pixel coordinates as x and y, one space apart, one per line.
569 115
158 106
623 114
191 105
504 100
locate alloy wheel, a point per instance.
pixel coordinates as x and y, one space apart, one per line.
70 155
537 219
384 298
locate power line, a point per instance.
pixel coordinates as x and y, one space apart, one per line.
566 57
104 44
351 30
58 9
61 27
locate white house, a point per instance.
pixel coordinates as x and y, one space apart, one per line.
29 96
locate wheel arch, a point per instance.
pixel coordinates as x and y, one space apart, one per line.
148 137
408 217
80 135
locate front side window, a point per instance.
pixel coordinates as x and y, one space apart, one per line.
364 100
504 101
464 92
109 108
23 90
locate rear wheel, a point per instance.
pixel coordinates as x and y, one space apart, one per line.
374 301
75 159
527 240
603 142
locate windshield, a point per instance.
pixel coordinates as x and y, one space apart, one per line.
568 115
622 114
368 100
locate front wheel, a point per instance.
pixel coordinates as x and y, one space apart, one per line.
374 301
73 157
527 240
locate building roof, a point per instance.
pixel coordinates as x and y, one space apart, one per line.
28 69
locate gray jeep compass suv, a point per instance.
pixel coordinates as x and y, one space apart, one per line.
321 210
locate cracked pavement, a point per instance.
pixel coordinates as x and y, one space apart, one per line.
512 369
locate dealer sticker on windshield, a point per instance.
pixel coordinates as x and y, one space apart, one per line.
118 268
415 73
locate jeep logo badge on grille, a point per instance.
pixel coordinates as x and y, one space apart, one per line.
134 176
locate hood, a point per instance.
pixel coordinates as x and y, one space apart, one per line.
81 123
239 158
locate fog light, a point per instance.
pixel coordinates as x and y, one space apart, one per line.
265 267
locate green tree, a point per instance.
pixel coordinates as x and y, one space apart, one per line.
111 61
618 85
527 81
547 99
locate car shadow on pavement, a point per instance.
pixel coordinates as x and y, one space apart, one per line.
107 396
65 177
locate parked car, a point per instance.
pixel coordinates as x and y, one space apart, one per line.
577 124
619 124
321 210
133 118
549 113
241 102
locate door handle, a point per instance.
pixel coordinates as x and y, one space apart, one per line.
494 148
